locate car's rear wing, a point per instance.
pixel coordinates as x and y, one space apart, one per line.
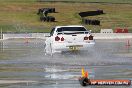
73 32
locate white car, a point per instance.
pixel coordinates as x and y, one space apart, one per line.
68 38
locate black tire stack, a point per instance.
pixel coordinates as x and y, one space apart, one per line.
50 10
46 18
91 22
90 13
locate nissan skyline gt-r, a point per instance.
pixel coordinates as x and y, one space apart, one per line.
68 38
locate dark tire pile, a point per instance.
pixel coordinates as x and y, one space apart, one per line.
43 12
90 13
91 22
50 10
47 19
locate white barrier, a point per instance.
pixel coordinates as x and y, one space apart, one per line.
112 35
43 35
25 35
106 31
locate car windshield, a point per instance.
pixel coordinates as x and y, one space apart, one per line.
72 30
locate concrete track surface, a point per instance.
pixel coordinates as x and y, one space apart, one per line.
23 64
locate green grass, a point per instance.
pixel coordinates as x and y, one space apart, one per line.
9 1
107 1
21 15
98 1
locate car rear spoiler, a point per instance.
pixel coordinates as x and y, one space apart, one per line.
73 32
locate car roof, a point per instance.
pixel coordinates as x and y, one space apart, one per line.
70 26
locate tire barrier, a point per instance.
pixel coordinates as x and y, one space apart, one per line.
47 19
49 10
43 13
91 13
90 22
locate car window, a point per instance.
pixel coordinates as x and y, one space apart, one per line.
72 30
52 32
